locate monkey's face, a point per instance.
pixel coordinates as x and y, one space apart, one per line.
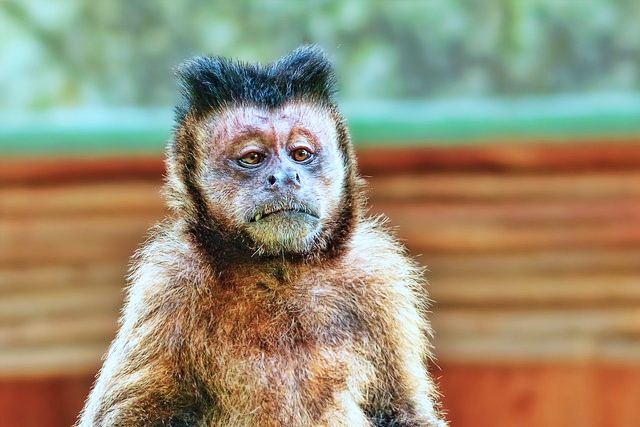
275 176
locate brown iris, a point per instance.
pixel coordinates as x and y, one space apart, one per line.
253 158
301 155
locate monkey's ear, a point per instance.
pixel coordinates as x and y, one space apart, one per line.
206 82
308 72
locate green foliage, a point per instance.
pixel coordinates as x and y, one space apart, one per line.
70 53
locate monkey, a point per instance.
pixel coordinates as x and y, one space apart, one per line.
268 296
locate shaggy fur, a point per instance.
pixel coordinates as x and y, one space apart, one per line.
268 298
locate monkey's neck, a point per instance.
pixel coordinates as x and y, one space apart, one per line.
228 253
227 250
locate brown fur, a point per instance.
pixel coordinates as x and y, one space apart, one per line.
320 328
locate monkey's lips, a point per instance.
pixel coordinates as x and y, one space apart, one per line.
286 211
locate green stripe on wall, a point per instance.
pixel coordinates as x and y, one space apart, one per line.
410 123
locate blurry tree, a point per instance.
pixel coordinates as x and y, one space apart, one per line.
121 52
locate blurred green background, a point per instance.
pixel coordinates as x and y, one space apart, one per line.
441 62
120 52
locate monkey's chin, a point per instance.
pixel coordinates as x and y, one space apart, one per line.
284 232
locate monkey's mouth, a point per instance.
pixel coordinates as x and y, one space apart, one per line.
283 210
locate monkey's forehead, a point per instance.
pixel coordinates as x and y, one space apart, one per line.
275 123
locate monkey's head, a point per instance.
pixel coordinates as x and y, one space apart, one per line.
261 161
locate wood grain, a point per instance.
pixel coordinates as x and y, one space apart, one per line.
39 171
405 216
553 261
536 290
511 157
404 187
473 394
78 199
538 394
532 252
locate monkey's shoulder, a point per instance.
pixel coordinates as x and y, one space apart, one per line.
376 252
166 269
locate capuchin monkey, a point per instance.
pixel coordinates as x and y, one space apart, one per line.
268 297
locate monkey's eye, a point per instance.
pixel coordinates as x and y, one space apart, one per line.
301 155
252 158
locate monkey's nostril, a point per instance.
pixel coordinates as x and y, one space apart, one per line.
297 178
271 179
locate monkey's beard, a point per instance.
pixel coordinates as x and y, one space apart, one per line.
283 227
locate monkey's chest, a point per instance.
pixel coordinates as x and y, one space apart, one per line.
269 321
281 362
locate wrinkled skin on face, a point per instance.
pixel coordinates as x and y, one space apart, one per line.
277 174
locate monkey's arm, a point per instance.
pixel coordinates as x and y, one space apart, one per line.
405 394
416 386
145 379
147 397
408 392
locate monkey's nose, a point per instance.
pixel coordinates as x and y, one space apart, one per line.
284 178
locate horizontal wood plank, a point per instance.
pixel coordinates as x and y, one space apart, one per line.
48 360
82 253
407 216
29 231
541 322
496 238
541 394
59 239
71 170
526 349
14 279
552 261
69 330
77 199
603 187
537 290
610 154
525 335
65 303
43 401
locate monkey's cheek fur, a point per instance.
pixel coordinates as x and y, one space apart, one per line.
287 231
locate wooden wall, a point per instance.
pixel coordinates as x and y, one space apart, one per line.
532 250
